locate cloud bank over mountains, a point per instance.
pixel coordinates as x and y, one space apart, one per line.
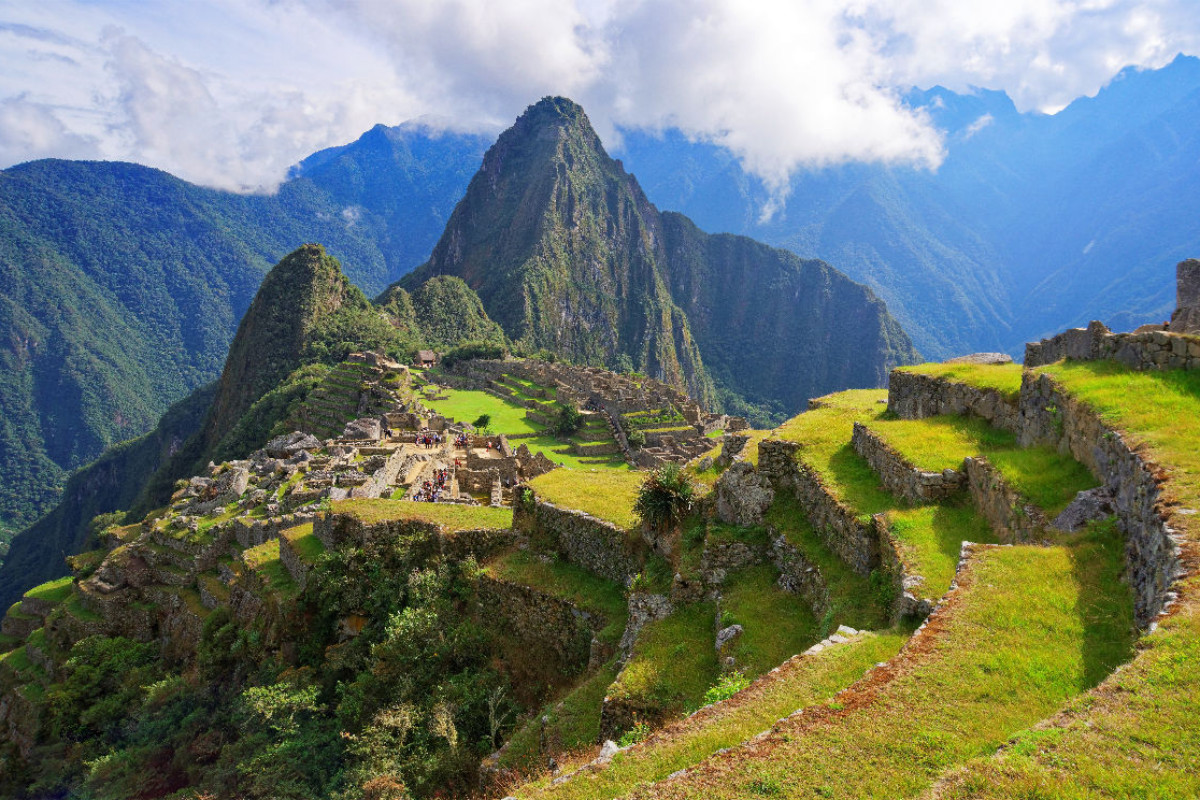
230 93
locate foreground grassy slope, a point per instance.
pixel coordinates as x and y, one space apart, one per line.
1135 735
1027 629
799 682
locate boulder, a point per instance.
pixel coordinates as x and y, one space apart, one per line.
981 358
743 495
363 429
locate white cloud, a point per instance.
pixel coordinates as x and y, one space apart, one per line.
231 92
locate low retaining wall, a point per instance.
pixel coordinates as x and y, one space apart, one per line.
912 395
1006 511
855 542
594 544
800 576
1149 350
556 634
1051 416
899 476
426 540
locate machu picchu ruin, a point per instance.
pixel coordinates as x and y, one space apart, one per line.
987 567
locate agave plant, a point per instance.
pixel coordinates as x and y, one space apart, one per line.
664 498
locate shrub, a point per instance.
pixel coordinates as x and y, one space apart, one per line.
568 420
665 497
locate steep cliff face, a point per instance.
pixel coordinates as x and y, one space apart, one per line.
566 253
562 247
775 328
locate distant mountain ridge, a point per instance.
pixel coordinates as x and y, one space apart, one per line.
121 286
1033 223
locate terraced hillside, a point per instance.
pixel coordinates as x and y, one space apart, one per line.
1020 657
526 412
980 583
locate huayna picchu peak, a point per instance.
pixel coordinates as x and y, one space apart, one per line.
568 254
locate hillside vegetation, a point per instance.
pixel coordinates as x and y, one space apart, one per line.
414 649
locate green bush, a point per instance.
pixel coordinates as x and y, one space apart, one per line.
665 497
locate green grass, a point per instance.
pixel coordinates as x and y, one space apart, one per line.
17 660
1045 477
1136 735
825 433
52 591
930 539
607 495
673 663
1032 628
811 680
557 452
853 599
264 559
306 544
74 606
934 444
451 517
570 725
777 625
508 417
465 405
570 582
1005 378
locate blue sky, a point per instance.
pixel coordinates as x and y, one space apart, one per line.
230 93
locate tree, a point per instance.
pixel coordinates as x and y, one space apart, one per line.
482 421
665 498
569 420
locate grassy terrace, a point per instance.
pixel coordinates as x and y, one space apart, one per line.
673 663
509 418
605 494
306 544
1136 735
1045 477
777 625
853 599
451 517
1029 629
570 582
264 559
572 724
1004 377
930 537
811 679
54 591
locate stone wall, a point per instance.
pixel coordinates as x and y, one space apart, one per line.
1051 416
743 495
800 576
1006 511
899 476
425 540
912 395
891 564
854 541
594 544
555 634
1145 350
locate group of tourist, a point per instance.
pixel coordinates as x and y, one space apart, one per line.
462 440
432 489
429 439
